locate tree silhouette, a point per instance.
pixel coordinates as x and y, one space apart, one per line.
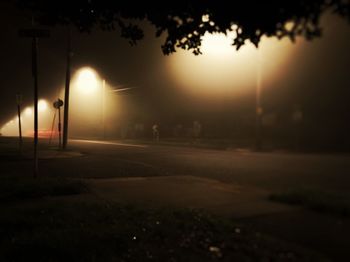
185 22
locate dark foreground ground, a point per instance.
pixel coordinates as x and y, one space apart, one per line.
113 201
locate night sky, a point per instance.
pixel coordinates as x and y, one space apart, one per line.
316 75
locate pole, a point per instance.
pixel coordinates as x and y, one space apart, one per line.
19 102
35 76
59 128
35 33
52 127
258 107
103 108
19 127
66 95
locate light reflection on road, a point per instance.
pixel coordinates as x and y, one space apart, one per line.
107 143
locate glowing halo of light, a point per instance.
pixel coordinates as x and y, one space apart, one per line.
222 70
42 105
87 80
28 111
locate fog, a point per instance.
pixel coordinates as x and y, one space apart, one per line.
93 102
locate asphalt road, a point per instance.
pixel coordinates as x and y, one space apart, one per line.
242 170
267 170
271 171
249 173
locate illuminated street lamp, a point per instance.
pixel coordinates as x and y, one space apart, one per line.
87 81
42 105
104 107
87 95
28 111
258 107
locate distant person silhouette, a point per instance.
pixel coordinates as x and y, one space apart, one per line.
196 129
155 131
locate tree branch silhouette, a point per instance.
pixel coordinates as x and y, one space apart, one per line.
185 22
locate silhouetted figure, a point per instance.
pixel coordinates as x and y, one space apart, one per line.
155 131
196 129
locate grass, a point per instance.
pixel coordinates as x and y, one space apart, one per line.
36 227
315 199
24 188
94 232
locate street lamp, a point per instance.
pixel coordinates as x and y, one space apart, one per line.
87 81
42 105
258 106
28 111
104 108
87 96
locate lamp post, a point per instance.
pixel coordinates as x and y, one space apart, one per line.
66 93
35 34
104 108
19 103
258 107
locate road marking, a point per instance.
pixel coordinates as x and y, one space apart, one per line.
107 143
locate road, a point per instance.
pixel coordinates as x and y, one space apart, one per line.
228 180
242 171
266 170
271 171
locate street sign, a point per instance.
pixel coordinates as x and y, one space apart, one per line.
58 103
33 32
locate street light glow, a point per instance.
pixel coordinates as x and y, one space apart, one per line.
221 70
217 45
28 111
45 120
87 81
91 103
42 105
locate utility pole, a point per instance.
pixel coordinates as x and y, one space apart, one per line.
59 128
35 76
35 34
104 108
66 94
258 107
19 102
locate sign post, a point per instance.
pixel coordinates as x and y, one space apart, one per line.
58 104
35 34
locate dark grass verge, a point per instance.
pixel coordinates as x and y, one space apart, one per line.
317 200
25 188
57 230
